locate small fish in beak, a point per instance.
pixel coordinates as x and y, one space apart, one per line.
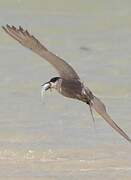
45 87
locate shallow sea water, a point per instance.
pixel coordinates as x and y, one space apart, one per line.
55 138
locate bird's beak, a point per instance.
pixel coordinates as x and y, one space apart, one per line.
46 86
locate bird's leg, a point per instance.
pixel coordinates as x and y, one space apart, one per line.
89 96
92 115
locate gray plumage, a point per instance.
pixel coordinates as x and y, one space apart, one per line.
68 84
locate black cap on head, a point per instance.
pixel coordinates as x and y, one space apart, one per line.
54 79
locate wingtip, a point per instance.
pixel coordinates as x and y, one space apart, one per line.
7 26
4 28
129 140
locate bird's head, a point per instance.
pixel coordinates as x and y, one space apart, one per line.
52 84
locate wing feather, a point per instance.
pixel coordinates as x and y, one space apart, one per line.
29 41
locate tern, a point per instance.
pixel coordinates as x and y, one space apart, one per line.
68 83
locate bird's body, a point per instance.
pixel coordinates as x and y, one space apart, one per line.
69 83
70 88
75 89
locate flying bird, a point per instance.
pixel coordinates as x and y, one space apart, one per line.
68 83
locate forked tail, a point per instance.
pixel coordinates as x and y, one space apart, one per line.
101 110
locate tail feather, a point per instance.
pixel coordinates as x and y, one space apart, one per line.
101 110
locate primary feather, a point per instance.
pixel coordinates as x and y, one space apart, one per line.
29 41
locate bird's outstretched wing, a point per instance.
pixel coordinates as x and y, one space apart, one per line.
101 109
29 41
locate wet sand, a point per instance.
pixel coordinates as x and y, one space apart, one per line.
71 164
